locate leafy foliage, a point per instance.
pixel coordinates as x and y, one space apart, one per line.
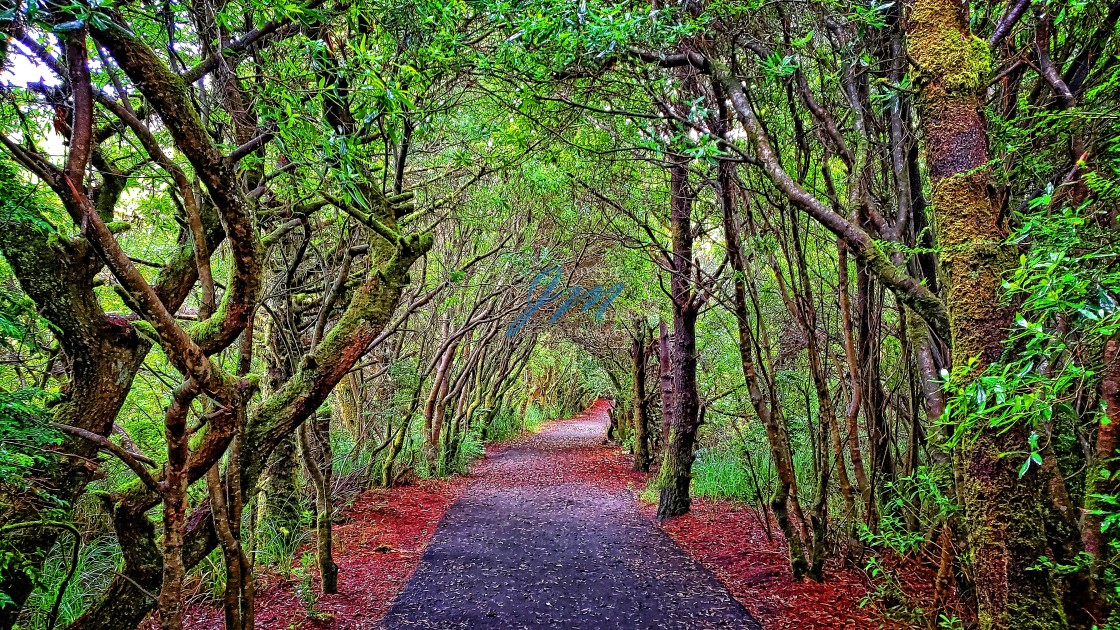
24 435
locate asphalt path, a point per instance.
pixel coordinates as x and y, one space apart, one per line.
529 546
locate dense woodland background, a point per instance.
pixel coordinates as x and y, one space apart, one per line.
260 257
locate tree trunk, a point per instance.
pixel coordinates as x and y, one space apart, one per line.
785 494
869 309
346 401
318 459
226 512
640 422
436 407
665 383
279 507
103 355
394 450
927 372
278 504
1004 512
676 469
863 484
455 431
175 503
286 408
1103 468
143 566
805 312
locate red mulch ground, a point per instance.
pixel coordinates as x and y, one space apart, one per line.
730 540
377 550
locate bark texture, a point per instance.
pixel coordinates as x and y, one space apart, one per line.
1004 513
641 419
676 467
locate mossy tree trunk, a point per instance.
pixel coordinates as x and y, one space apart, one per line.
1004 513
1104 467
104 353
143 564
395 448
278 499
278 415
347 401
318 460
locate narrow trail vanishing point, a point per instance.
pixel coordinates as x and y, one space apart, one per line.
540 541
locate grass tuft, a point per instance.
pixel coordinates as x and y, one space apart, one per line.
720 474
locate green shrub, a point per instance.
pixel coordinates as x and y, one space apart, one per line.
470 449
536 415
506 425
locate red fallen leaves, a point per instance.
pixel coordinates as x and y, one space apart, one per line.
730 541
376 550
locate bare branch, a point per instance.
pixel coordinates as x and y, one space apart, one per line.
132 460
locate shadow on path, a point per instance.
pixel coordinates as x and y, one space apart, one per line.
537 543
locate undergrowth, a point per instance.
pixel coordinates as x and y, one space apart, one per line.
719 473
97 565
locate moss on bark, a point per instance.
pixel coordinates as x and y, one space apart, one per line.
1005 514
952 57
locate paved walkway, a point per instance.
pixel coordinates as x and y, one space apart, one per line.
531 545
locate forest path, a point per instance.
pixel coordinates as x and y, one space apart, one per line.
543 539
